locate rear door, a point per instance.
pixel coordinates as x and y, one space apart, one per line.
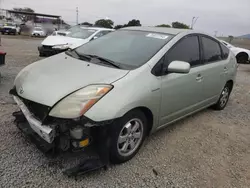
182 93
215 68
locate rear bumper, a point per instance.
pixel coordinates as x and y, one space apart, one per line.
45 132
48 50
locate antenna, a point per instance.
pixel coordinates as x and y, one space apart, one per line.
76 15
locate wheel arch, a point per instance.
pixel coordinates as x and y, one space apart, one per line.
148 114
241 53
231 83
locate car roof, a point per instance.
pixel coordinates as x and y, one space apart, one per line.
172 31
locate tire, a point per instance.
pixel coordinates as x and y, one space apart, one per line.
242 58
224 97
131 142
41 54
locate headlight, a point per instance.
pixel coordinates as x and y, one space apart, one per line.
79 102
62 46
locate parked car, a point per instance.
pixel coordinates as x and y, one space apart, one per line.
116 90
10 28
242 55
56 44
38 32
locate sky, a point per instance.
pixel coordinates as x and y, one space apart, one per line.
225 17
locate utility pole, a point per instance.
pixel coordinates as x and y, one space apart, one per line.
77 15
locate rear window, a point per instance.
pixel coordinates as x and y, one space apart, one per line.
212 51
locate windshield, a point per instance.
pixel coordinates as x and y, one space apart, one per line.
81 33
74 28
38 29
130 49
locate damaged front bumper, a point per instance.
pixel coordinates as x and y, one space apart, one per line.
44 131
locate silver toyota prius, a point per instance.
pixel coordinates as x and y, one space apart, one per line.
114 91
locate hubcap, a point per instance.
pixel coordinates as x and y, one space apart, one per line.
224 97
130 137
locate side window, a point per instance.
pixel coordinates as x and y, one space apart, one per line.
212 51
225 52
187 49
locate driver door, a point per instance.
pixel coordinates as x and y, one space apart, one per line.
182 93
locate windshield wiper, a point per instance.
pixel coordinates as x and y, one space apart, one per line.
88 57
108 61
75 54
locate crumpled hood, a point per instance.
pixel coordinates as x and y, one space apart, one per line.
60 40
49 80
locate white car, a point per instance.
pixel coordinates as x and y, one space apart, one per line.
10 28
242 55
56 44
38 32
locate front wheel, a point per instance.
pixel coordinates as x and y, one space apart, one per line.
127 136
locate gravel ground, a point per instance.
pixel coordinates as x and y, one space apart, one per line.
208 149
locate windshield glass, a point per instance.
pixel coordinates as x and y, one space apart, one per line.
38 29
74 28
81 33
128 48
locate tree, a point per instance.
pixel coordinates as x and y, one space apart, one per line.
87 24
118 26
163 25
180 25
104 23
133 22
23 17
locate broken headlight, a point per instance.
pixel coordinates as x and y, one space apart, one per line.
79 102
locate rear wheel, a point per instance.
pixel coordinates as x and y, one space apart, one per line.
127 136
224 97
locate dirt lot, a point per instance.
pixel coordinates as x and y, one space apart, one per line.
209 149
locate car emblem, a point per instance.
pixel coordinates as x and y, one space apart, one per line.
21 90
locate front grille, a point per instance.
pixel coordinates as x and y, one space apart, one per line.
47 47
40 111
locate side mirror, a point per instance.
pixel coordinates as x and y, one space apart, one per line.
179 67
95 37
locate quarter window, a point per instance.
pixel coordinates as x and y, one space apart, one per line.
212 51
186 50
225 52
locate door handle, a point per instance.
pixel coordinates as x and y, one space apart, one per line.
199 77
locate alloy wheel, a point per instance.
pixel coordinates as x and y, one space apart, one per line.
130 137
